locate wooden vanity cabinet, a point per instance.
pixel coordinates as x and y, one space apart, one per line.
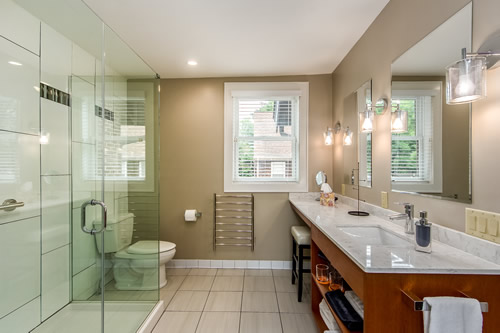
386 307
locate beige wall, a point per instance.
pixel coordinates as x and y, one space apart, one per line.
400 25
191 153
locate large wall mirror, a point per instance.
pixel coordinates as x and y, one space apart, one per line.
357 144
431 141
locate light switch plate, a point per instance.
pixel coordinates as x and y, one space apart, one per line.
384 199
343 189
482 224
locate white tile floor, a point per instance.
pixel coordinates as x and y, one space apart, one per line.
234 301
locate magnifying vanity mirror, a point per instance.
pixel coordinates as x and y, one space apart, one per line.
431 141
320 178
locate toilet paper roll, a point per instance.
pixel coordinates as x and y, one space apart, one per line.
190 215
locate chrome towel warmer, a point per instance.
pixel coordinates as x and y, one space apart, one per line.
234 220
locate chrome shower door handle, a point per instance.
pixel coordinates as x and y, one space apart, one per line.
94 202
10 205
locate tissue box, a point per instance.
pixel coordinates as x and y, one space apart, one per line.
327 199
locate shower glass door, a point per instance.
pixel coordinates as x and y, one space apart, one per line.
116 170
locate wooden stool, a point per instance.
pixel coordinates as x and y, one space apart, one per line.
301 237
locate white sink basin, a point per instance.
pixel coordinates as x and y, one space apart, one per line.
374 235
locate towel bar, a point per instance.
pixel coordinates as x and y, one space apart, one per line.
419 304
239 217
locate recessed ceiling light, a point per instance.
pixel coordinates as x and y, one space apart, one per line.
192 62
15 63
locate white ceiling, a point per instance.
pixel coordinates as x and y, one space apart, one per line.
438 49
232 38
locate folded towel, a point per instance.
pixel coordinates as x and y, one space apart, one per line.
327 316
356 302
344 310
453 314
325 188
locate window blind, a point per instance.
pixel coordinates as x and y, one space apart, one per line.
8 150
265 139
124 144
412 152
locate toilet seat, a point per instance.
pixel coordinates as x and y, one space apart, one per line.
150 246
144 250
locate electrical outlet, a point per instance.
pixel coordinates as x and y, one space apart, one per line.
482 224
343 189
384 199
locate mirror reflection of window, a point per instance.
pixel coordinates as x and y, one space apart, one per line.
416 154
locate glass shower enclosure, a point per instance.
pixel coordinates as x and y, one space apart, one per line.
93 156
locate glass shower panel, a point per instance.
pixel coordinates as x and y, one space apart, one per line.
130 181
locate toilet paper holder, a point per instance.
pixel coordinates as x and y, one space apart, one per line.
191 218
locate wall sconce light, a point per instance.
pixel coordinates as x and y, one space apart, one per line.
399 121
366 120
466 78
367 117
347 137
328 135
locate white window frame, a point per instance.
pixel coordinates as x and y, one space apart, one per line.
263 90
412 89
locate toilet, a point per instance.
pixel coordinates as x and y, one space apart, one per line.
135 266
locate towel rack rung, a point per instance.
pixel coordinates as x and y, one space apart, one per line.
242 221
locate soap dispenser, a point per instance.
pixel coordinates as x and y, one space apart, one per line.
423 237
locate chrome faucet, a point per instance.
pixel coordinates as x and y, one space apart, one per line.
408 215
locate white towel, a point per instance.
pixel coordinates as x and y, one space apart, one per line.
325 188
453 314
327 316
356 302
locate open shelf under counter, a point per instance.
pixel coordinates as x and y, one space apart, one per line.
383 293
323 289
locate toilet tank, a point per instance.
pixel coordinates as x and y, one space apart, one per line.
118 233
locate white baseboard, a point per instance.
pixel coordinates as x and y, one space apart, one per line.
154 316
248 264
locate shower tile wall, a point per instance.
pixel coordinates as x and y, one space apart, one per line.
34 239
55 170
20 238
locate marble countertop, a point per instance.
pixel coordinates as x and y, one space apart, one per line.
402 258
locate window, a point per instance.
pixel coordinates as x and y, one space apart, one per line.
416 154
265 137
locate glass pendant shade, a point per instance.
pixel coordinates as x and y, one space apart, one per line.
399 121
466 80
328 135
347 137
366 121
